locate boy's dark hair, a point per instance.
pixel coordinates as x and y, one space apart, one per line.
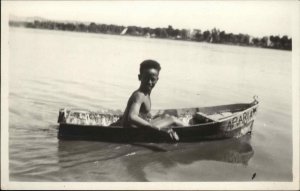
148 64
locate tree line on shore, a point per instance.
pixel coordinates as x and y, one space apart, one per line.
211 36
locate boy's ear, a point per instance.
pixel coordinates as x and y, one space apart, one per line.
139 76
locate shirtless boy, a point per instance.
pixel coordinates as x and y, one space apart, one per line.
137 112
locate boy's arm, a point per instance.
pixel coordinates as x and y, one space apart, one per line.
134 118
133 114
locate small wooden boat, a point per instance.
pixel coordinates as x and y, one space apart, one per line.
202 123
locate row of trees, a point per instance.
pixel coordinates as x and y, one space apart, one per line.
217 36
211 36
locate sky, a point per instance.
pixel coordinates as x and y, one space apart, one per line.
256 18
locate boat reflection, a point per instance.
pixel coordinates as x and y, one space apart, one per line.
135 157
236 151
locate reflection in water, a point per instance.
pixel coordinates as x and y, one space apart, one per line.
230 151
75 153
100 158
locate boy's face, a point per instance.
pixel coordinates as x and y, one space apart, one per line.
148 79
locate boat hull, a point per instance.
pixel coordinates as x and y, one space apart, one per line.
188 134
235 126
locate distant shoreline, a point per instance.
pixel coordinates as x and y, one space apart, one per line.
214 36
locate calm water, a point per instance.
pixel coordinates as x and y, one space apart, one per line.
49 70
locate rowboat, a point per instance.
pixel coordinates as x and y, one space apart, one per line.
201 123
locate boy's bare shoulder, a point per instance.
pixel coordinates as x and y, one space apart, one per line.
137 96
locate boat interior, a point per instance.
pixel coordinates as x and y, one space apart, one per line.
189 116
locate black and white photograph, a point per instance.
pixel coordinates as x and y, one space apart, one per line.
175 95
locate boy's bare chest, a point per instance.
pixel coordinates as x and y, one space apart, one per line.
146 105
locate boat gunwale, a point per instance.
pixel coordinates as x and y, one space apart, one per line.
251 106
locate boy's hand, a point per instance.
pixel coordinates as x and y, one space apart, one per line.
171 132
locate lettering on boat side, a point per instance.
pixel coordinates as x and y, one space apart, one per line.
241 119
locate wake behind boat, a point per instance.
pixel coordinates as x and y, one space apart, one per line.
201 123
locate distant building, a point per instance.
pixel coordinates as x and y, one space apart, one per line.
178 37
124 31
251 40
189 33
147 35
153 35
269 43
